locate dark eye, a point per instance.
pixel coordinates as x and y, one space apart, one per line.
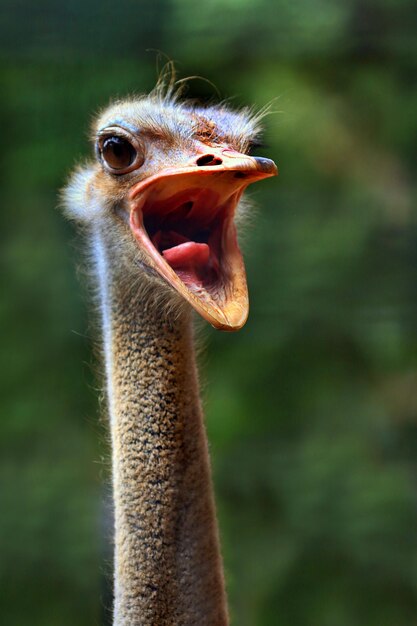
118 153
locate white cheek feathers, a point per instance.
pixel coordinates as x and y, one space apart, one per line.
80 203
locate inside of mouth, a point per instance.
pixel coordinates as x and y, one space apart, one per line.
186 229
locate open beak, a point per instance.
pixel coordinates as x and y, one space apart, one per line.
183 220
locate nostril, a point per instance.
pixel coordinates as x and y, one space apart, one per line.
209 159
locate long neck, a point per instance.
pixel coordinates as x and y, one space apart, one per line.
168 569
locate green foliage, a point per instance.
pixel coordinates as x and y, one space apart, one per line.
311 408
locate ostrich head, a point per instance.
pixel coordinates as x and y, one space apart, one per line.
165 187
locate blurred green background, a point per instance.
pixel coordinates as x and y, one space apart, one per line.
312 407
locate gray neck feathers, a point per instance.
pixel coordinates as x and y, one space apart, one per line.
168 568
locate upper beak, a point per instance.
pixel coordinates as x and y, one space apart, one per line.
216 160
233 160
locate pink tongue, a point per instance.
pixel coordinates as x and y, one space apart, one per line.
190 261
187 255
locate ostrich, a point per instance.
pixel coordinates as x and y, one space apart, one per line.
157 206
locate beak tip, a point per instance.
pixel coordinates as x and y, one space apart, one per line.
267 166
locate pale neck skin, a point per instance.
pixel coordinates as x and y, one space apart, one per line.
168 569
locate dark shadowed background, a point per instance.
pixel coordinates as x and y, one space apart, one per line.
312 407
